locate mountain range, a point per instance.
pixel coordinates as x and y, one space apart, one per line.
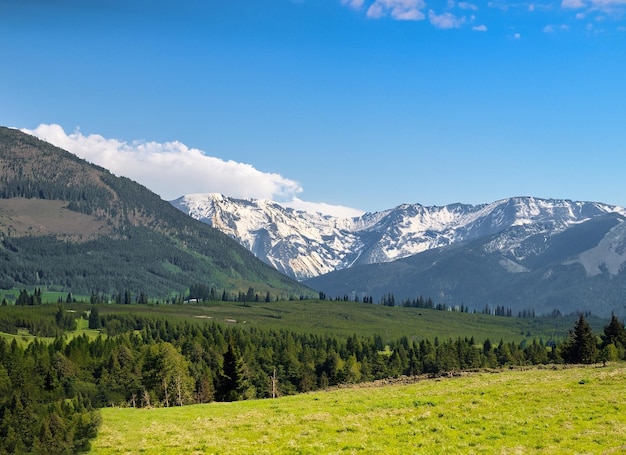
68 225
523 253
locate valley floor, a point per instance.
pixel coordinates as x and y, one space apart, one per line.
540 410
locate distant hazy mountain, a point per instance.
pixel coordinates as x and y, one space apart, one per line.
69 225
521 252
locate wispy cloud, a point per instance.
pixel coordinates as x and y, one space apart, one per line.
452 14
397 9
445 20
574 4
600 4
554 28
172 169
356 4
616 8
415 10
467 6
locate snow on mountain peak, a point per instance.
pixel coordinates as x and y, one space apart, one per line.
304 245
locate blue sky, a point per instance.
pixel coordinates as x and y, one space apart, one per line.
361 104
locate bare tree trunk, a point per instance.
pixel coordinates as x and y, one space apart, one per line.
179 389
146 398
274 381
167 396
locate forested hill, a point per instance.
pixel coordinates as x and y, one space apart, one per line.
71 225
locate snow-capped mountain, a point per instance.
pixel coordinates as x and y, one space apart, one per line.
305 245
299 244
523 267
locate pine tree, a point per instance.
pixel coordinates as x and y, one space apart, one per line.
233 381
613 341
23 299
614 333
94 319
581 345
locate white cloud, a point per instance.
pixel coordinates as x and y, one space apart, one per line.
445 20
614 8
171 169
608 3
611 7
356 4
322 207
399 9
573 4
480 28
468 6
553 28
503 6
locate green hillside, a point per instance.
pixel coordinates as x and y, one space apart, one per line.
538 411
68 225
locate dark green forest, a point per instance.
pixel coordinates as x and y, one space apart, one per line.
50 392
143 261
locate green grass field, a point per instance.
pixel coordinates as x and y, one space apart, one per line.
23 337
548 411
344 319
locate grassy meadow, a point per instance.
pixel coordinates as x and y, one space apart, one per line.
340 319
540 410
23 337
343 319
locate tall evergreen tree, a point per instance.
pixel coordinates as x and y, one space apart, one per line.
94 319
233 382
581 346
614 333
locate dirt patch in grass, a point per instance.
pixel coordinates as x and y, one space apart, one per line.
21 217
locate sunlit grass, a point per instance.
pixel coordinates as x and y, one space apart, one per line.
572 410
82 328
24 337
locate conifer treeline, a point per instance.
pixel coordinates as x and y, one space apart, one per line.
428 303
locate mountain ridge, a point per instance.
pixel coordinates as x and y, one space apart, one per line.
580 269
285 237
